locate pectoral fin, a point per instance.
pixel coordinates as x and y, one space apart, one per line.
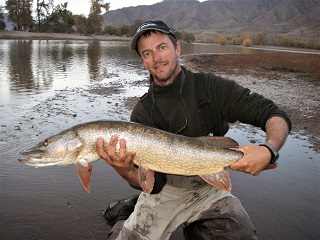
84 172
220 180
146 179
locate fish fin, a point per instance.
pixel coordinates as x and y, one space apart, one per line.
222 142
220 180
146 179
270 166
84 170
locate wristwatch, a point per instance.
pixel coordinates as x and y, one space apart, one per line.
273 151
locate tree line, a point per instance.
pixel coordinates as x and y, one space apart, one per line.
130 30
264 38
48 17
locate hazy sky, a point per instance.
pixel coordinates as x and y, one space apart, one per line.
83 6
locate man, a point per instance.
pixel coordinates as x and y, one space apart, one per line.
202 210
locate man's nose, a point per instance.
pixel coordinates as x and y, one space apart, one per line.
156 56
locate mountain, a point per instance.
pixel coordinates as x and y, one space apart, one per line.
298 18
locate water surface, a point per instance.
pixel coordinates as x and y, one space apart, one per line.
48 86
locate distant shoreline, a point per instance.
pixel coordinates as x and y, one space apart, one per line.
4 34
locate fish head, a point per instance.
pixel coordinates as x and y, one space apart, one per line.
60 149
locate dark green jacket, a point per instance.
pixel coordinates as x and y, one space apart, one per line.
230 102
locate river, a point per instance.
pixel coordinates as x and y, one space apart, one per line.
49 85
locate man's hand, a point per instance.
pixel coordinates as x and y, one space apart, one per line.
255 160
120 160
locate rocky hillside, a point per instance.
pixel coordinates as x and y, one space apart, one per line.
298 18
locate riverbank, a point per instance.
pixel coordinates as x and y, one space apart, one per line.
57 36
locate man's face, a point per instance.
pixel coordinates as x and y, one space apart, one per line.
160 57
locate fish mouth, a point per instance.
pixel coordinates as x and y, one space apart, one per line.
36 157
34 152
32 156
38 161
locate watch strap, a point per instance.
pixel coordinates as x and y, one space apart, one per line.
273 151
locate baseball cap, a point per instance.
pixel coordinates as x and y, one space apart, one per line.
150 25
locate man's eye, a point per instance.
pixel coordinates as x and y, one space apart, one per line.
163 47
146 54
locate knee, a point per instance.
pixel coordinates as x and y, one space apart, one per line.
218 229
225 219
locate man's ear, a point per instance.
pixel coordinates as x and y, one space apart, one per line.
178 49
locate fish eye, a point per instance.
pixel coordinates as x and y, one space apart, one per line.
45 143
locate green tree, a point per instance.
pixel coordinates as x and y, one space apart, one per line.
133 28
20 13
81 23
2 23
60 20
95 19
110 30
42 11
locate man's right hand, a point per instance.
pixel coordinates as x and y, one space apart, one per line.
120 160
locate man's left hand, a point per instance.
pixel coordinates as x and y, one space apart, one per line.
254 160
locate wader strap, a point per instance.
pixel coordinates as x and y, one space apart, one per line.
156 116
203 101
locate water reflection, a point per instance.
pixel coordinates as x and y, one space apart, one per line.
94 60
46 65
20 66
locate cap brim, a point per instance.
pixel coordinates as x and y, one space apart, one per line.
137 36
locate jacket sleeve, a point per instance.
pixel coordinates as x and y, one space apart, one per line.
236 103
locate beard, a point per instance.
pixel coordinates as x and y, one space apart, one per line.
165 76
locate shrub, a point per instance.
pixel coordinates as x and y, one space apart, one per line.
222 40
247 43
235 41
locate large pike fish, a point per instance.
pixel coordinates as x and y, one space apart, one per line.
156 150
